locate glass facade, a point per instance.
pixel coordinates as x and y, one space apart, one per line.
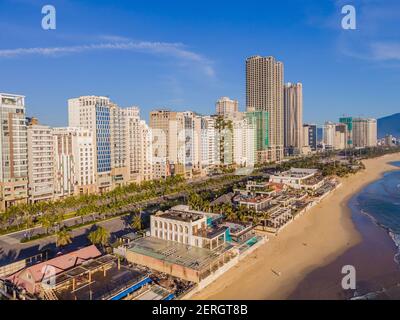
103 139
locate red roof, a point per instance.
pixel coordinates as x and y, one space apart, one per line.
36 273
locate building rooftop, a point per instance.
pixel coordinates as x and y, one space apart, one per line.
297 173
103 285
176 253
184 216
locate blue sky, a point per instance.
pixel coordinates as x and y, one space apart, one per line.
184 55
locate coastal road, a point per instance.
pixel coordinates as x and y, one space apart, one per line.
11 249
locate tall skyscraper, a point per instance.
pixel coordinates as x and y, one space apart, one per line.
348 121
139 139
13 151
364 132
310 136
40 162
93 113
209 142
335 136
264 92
293 118
226 107
119 148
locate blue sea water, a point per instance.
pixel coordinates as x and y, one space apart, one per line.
381 201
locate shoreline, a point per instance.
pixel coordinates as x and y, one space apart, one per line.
315 240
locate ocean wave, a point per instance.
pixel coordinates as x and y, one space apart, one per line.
394 236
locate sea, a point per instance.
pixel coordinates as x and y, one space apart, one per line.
376 259
380 201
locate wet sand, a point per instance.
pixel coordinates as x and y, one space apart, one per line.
317 239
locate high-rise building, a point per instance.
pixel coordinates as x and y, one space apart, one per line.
93 113
341 136
310 136
244 142
119 148
176 142
40 162
364 132
13 151
348 121
227 107
139 140
336 136
329 135
293 118
209 142
264 93
74 157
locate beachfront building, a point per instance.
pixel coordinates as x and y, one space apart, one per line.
299 178
227 107
40 162
13 151
310 136
265 93
183 225
364 132
176 141
256 202
293 118
209 142
336 136
93 113
139 139
74 162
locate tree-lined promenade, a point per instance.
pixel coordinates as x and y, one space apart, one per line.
89 209
122 200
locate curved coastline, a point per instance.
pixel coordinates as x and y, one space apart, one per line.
316 240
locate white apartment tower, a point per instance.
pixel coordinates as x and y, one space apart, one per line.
264 92
40 162
139 141
364 132
74 157
226 107
93 113
14 151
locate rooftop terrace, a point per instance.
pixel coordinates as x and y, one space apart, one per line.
177 253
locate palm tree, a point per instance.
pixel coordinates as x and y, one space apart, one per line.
137 222
100 236
64 238
46 222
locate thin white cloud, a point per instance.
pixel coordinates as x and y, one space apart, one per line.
176 50
384 51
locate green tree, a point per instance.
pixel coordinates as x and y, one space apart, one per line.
100 236
137 222
64 238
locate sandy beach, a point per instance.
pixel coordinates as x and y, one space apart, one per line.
310 242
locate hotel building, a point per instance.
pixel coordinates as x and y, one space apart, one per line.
310 136
14 151
139 139
93 113
264 92
227 107
365 133
74 157
293 118
40 162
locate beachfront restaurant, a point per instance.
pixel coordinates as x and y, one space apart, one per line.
183 261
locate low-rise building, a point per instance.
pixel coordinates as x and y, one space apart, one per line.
299 178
